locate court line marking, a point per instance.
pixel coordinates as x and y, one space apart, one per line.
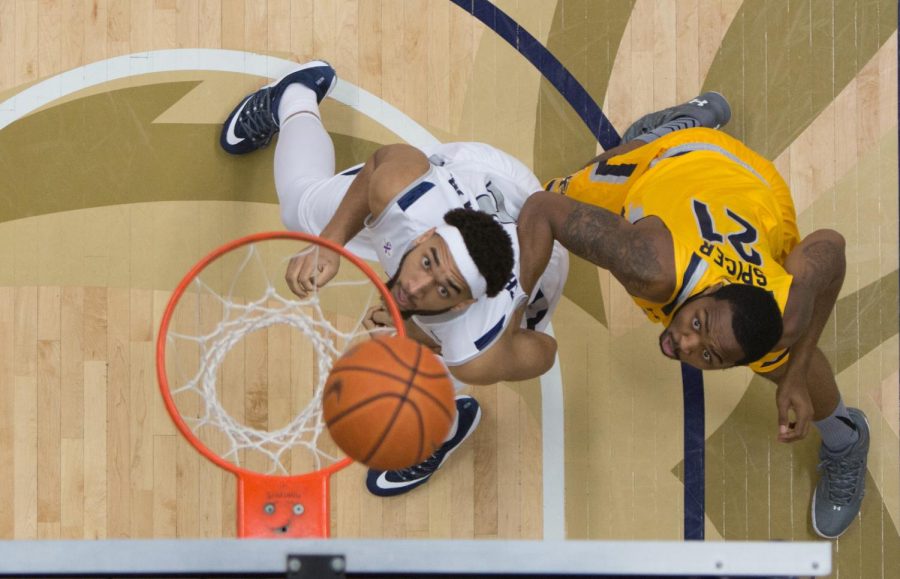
553 443
215 60
547 64
202 59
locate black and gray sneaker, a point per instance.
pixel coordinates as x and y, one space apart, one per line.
389 483
253 123
838 496
709 110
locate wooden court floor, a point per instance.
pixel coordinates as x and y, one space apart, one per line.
113 185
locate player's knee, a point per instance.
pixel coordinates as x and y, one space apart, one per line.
290 217
835 238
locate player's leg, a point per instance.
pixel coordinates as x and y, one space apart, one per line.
304 156
308 190
845 446
842 456
256 119
605 180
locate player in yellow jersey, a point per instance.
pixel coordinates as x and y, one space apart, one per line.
702 233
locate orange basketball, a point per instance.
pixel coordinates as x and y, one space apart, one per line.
389 403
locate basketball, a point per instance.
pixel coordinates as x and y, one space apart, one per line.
389 403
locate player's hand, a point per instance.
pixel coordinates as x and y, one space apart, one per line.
793 397
312 270
378 317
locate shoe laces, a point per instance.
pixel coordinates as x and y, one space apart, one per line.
257 119
422 469
843 477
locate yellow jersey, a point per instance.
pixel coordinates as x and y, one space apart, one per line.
729 213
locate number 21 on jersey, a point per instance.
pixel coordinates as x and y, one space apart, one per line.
742 241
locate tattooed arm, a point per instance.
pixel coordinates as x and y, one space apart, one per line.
639 255
806 384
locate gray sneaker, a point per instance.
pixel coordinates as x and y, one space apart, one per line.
710 109
840 491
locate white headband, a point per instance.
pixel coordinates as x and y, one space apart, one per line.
454 240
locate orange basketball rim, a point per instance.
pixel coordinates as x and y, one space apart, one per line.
269 504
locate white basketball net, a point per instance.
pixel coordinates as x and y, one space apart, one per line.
241 317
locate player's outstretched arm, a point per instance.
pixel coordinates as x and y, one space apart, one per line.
806 382
387 172
517 355
639 255
818 265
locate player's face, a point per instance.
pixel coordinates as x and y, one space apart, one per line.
700 334
428 280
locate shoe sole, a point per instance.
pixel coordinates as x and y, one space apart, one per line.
812 506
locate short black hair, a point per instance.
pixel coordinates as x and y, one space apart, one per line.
488 244
756 319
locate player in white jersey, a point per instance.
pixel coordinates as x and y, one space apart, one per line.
442 224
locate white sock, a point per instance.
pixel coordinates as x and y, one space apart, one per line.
296 98
304 155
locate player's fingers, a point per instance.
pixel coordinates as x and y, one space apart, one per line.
383 317
369 323
802 428
325 272
789 433
803 411
306 273
307 276
318 270
784 434
374 318
797 430
292 274
783 419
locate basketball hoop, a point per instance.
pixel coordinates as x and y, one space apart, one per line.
242 363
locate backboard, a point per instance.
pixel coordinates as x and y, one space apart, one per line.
321 558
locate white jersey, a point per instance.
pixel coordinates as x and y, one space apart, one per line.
476 176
